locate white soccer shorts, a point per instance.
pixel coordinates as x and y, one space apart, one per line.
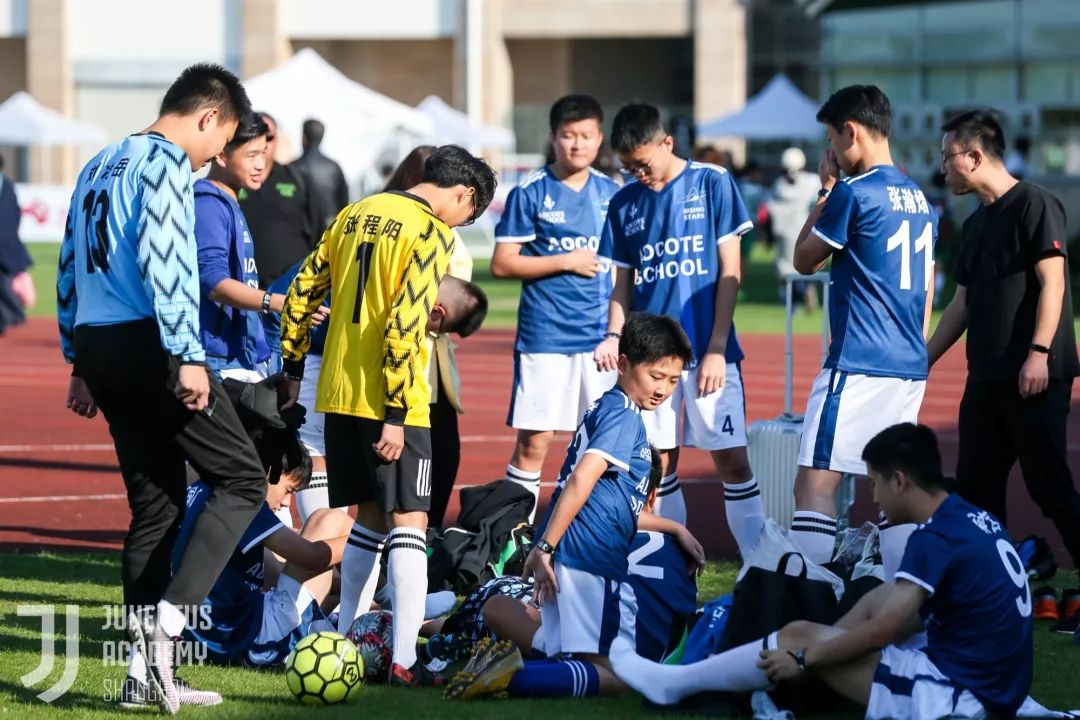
552 391
714 422
312 433
587 614
846 410
290 613
908 686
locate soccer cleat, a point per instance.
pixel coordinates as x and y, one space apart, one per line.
136 695
1069 625
1070 602
1046 606
491 677
419 675
158 649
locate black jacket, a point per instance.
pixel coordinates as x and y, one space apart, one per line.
13 256
488 515
327 190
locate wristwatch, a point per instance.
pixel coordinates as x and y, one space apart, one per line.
612 335
800 657
823 192
266 302
1039 348
545 547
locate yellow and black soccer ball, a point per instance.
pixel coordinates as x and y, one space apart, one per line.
324 669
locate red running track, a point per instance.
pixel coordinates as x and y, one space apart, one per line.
60 488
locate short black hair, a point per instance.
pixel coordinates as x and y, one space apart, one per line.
572 108
981 127
451 165
635 125
250 127
649 338
656 469
313 131
866 105
203 87
296 461
471 302
912 449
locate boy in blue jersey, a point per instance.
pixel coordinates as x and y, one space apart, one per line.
879 231
960 576
673 237
548 238
660 592
579 562
128 306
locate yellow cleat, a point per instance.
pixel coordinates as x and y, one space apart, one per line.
488 673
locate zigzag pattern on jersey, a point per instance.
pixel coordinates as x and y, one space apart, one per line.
167 257
66 302
410 309
306 293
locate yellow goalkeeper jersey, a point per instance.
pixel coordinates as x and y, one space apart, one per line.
383 257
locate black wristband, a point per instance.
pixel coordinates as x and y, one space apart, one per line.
293 369
395 415
545 547
612 334
266 302
1039 348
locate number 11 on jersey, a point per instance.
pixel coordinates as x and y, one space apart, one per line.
923 244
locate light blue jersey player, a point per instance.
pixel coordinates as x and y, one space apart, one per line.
674 237
548 238
960 578
880 232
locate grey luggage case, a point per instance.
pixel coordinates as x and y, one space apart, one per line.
773 445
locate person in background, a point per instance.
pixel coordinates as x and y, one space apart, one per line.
326 187
1016 160
442 365
792 196
751 184
16 284
279 214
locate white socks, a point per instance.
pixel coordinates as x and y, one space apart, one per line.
733 671
670 502
170 619
314 497
528 480
745 513
359 574
407 575
892 539
814 534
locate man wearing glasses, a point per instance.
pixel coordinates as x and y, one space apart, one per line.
384 257
547 238
673 237
1013 299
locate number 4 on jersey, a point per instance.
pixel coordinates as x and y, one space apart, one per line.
923 244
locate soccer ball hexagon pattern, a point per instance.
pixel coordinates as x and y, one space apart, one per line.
324 669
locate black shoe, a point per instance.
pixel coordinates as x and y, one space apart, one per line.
1069 625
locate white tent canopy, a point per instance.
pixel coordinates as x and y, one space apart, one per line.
360 123
453 126
25 121
779 112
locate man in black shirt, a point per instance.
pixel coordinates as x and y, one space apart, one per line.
279 215
327 190
1013 298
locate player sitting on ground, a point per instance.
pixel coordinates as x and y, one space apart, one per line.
673 237
960 574
662 595
384 257
579 561
547 238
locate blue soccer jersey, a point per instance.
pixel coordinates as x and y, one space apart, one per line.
883 232
129 247
670 240
598 539
665 590
235 603
978 616
562 313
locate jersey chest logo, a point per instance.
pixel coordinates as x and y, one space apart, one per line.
549 214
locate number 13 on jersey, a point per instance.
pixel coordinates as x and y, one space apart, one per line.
924 244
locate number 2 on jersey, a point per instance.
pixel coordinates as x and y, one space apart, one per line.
923 244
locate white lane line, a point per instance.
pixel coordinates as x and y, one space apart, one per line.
61 448
62 498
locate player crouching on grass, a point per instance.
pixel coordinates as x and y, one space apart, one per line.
580 561
959 574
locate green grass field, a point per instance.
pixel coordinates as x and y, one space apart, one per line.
91 582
